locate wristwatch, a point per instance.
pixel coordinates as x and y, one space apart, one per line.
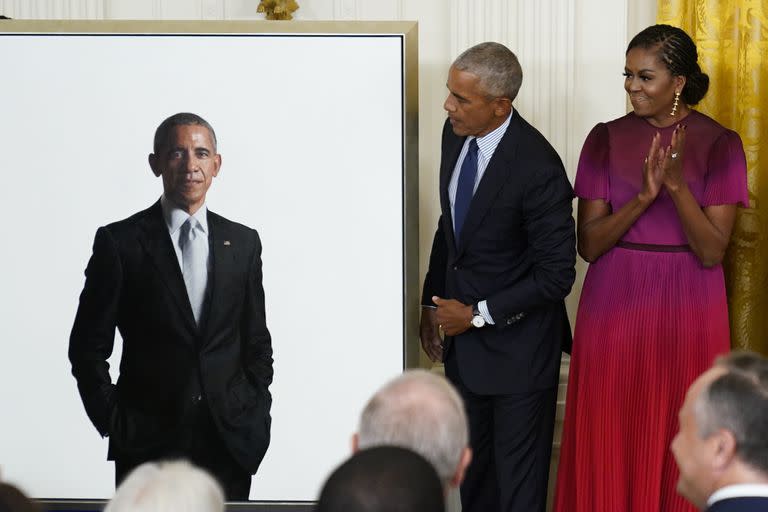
477 319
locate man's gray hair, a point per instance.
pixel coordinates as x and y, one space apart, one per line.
497 67
167 487
420 411
737 401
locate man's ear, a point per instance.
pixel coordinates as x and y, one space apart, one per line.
724 449
503 107
217 161
355 443
461 469
153 165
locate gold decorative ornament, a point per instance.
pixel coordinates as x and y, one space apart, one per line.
277 9
674 105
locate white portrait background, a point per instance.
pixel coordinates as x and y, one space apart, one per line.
311 134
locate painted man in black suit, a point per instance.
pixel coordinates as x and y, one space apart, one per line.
722 446
184 288
502 262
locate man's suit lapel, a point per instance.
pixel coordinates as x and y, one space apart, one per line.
222 257
494 177
453 150
154 237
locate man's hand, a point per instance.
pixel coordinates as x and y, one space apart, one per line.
430 335
453 316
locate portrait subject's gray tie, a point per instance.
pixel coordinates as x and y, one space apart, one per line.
194 247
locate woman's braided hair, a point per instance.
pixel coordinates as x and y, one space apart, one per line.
678 52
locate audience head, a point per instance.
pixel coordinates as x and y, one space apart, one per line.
420 411
482 83
723 424
383 479
167 487
13 500
677 52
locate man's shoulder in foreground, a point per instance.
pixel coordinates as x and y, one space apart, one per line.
743 504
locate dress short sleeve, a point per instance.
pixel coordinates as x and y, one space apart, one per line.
726 178
592 172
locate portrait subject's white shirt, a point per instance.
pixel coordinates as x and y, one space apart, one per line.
175 217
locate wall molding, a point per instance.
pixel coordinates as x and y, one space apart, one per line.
541 34
53 9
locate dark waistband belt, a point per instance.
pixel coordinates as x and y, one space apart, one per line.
653 247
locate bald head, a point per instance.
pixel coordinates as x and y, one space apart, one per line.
420 411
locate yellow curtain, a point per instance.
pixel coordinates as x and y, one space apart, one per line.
732 39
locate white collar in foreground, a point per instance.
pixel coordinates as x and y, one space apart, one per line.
738 491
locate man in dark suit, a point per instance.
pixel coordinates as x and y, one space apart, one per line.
502 262
184 288
722 446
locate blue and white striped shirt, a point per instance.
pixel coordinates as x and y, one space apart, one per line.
486 146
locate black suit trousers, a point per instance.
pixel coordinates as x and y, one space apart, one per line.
199 442
511 441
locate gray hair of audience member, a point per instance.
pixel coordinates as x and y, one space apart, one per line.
167 487
13 500
497 67
420 411
383 479
737 401
163 131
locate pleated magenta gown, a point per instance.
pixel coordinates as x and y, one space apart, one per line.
651 318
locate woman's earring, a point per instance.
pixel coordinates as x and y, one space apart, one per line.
674 105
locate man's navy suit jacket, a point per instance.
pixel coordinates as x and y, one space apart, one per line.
134 283
747 504
517 251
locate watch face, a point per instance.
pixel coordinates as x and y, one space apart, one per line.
478 321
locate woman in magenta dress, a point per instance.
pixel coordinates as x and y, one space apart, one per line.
658 191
